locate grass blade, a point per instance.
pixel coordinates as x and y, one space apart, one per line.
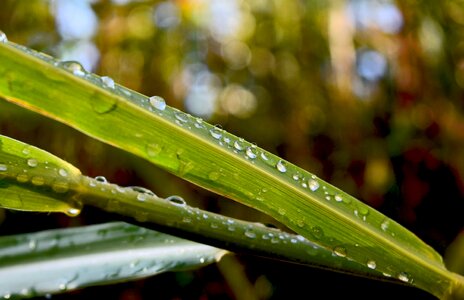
221 162
61 260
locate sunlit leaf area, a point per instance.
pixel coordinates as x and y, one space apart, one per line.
365 94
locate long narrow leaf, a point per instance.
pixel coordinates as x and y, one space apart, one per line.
61 260
221 162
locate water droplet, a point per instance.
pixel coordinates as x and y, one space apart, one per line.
60 187
108 82
74 67
3 38
281 166
202 260
158 103
63 172
238 145
264 156
101 179
22 178
32 162
216 132
371 264
327 198
7 296
26 150
214 176
281 211
317 232
38 180
296 177
250 234
180 116
338 198
141 197
340 251
72 212
300 223
251 152
153 149
176 200
62 286
313 185
3 168
231 228
403 276
32 244
385 224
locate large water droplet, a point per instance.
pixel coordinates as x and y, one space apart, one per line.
158 103
32 162
22 178
340 251
313 185
101 179
371 264
108 82
176 200
63 172
216 132
3 38
74 67
3 168
281 166
251 152
38 180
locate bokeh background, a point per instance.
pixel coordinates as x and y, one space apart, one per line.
366 94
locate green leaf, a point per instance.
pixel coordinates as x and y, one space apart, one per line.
221 162
56 261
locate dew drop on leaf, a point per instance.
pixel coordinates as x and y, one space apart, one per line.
214 176
157 102
238 145
3 38
281 166
107 82
313 185
3 168
32 162
215 132
74 67
60 186
403 276
338 198
63 172
101 179
38 180
340 251
176 200
371 264
250 234
141 197
251 152
22 178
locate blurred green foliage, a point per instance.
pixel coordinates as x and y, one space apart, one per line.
368 95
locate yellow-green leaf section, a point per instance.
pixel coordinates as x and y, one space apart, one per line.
220 162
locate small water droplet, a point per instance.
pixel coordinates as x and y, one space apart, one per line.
32 244
340 251
3 168
101 179
32 162
176 200
7 296
327 198
153 149
180 116
141 197
403 276
238 145
72 212
338 198
317 232
231 228
38 180
63 172
251 152
281 166
108 82
158 103
22 178
296 177
281 211
3 37
385 224
313 185
62 286
371 264
300 223
216 132
264 156
60 187
250 234
74 67
214 176
202 260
